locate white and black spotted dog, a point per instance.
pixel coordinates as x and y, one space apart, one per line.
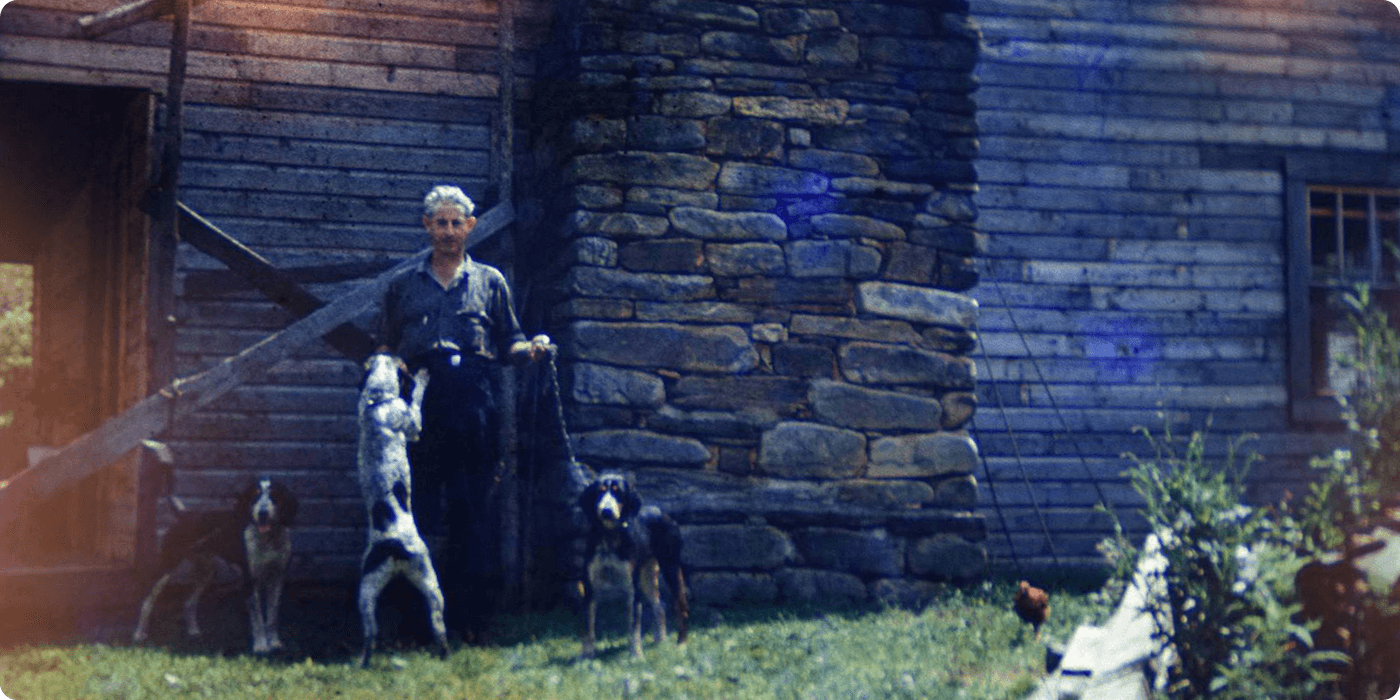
388 422
253 536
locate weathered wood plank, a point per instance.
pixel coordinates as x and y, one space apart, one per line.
313 181
339 128
124 15
306 99
327 210
219 149
105 57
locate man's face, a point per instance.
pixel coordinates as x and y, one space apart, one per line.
448 227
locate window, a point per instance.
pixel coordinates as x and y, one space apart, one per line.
1352 235
1344 229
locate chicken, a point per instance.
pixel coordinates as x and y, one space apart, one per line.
1032 605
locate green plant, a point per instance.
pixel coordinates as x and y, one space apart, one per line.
1351 486
1228 578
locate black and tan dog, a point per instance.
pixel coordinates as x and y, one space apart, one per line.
253 536
645 543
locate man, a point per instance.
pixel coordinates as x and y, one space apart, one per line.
453 315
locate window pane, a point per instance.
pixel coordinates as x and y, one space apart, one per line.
1357 248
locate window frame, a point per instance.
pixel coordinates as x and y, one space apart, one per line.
1368 170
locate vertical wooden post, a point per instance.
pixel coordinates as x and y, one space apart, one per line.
165 235
513 546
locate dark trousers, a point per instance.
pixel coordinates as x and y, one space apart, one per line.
454 467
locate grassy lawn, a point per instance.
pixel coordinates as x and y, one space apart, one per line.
968 644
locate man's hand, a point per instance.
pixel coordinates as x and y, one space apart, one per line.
535 348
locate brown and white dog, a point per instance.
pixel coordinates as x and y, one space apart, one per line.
253 536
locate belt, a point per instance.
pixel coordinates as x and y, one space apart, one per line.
452 352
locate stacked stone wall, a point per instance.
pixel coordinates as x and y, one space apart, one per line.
760 232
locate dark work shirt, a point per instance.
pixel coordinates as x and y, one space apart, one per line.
474 312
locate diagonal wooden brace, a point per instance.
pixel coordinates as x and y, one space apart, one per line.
152 415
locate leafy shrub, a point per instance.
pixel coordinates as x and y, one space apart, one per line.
1350 490
1228 579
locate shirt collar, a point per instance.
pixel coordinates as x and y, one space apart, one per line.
425 267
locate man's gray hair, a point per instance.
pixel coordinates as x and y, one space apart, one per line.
447 194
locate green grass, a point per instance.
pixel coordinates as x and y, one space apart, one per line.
968 644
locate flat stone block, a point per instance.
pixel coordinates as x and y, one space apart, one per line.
922 456
744 138
861 408
917 304
955 492
768 180
811 451
878 363
879 330
736 547
813 110
744 259
848 226
833 162
804 360
797 21
593 383
820 586
699 311
723 588
676 170
615 283
600 252
860 552
707 12
640 446
780 394
665 134
666 197
673 346
593 308
728 226
947 557
693 105
668 255
744 424
958 408
616 224
753 47
883 493
770 291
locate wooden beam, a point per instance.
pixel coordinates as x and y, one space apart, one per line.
280 287
284 288
151 416
122 16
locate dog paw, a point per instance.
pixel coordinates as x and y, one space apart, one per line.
138 636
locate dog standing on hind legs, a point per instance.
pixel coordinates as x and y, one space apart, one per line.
394 547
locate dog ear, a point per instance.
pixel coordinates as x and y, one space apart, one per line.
633 502
287 502
589 498
247 495
406 381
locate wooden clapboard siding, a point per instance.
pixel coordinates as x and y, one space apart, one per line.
312 130
1135 270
